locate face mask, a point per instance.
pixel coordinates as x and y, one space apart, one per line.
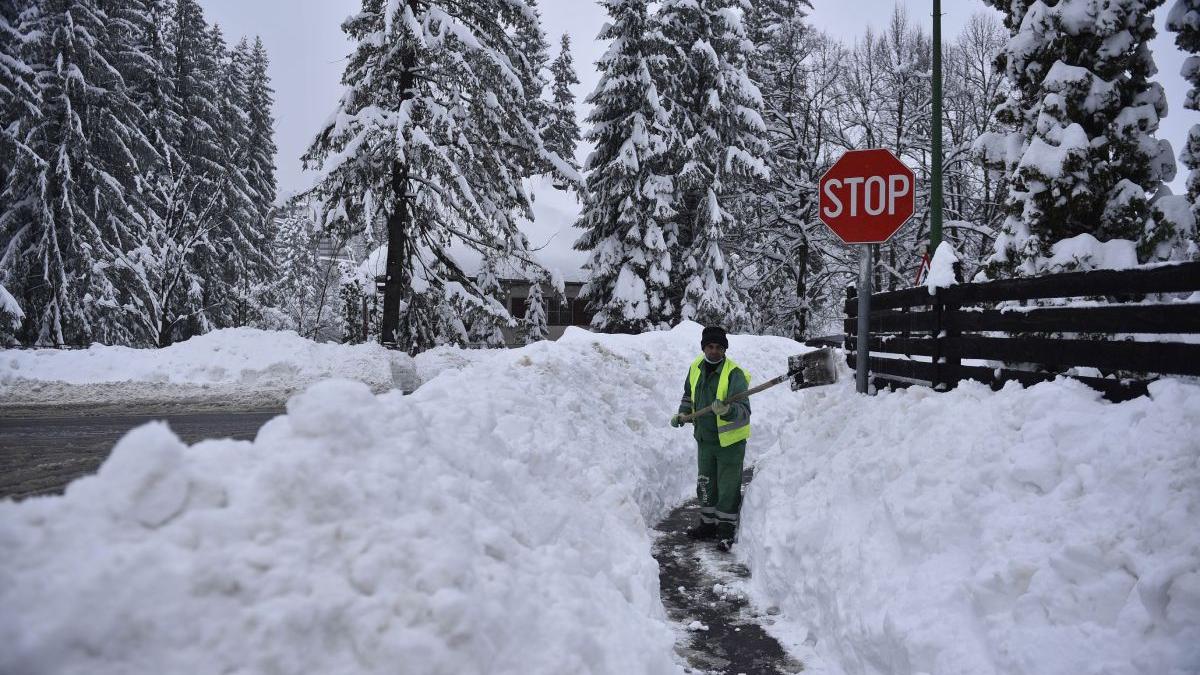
710 361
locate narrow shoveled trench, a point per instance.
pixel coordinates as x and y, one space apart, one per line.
721 632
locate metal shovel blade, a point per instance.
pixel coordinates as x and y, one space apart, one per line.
813 369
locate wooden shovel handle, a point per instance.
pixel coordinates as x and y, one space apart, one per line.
736 397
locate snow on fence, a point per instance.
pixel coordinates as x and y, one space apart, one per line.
1112 330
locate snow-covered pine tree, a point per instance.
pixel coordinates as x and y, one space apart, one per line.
486 319
11 318
66 253
261 151
1084 159
720 147
434 133
629 189
20 106
562 132
535 324
18 97
246 260
259 169
305 283
1184 21
773 242
530 56
199 285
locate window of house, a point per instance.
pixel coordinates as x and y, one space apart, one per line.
558 313
579 314
517 307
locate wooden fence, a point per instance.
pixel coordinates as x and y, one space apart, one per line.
1121 325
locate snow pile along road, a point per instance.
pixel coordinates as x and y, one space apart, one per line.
1041 531
234 367
495 521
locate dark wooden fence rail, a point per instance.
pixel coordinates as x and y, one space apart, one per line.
923 339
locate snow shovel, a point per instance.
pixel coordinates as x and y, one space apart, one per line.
813 369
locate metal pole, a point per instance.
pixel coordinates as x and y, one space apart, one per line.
935 206
864 318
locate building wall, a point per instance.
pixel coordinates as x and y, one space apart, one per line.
558 315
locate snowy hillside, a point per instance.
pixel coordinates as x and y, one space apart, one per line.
497 521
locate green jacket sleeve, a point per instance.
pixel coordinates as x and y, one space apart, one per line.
739 410
685 403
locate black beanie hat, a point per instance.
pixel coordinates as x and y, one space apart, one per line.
714 334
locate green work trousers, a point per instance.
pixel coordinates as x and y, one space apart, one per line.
719 485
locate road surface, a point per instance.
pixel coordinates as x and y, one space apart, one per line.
41 454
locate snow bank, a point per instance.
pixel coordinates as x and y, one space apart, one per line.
235 366
1040 531
494 521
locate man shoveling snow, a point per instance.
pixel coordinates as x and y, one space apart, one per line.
720 437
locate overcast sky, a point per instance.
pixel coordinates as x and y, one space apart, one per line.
308 52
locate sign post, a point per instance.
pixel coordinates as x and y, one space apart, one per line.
865 197
863 360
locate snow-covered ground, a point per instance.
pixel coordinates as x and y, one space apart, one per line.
234 367
497 521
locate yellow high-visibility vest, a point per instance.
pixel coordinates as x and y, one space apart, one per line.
727 432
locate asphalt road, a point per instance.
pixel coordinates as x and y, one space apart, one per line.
40 455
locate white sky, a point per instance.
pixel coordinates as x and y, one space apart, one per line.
308 51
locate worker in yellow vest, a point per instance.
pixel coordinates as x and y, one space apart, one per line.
720 437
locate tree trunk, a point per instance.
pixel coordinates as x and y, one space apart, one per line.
396 272
801 324
396 279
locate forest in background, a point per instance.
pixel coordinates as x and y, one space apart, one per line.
137 195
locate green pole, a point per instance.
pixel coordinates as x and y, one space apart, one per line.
935 217
935 197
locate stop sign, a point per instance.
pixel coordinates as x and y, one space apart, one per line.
866 196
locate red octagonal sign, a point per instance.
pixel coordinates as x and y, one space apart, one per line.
866 196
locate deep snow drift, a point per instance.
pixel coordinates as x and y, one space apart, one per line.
233 367
1040 531
496 521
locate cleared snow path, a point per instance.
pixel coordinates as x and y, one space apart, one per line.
702 592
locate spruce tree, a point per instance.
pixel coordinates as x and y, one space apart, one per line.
488 317
720 147
628 186
434 134
261 151
1184 21
246 258
531 53
259 169
535 314
18 98
1085 111
562 132
194 280
75 189
773 241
